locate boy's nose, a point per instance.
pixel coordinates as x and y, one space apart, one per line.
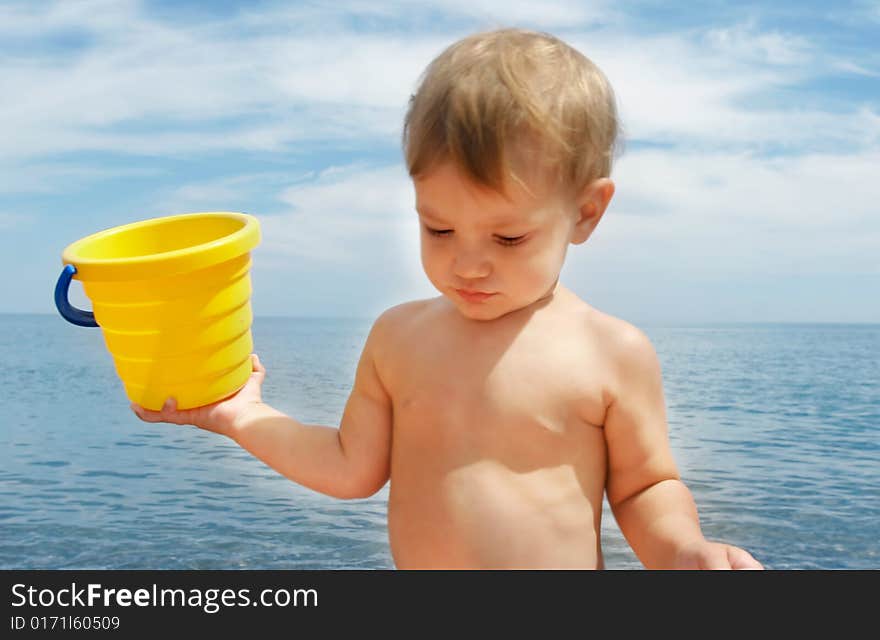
471 265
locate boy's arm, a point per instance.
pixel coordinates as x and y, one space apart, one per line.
652 506
349 462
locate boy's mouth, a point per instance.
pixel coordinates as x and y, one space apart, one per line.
469 295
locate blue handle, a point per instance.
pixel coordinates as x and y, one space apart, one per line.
68 311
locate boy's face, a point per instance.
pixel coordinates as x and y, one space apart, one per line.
490 254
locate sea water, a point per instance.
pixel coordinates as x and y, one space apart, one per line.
775 428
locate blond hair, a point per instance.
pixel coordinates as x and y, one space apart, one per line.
510 103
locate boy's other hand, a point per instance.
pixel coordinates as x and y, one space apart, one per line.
715 555
220 417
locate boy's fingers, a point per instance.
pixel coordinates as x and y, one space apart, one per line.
742 559
168 413
259 371
715 558
147 415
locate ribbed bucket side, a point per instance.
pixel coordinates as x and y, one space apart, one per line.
185 336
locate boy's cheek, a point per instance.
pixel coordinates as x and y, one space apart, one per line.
433 260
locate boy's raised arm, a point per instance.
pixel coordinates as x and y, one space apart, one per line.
349 462
652 506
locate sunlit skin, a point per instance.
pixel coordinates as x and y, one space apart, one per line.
502 410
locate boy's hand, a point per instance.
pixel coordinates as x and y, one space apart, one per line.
715 555
220 417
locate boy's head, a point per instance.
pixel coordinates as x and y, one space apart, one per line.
511 134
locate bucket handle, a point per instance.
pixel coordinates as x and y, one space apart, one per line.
68 311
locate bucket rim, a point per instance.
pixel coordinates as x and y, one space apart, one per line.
152 265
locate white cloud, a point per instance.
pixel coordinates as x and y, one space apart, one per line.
291 76
28 19
538 15
672 90
323 82
169 90
848 66
353 227
237 192
745 42
347 215
487 13
367 70
699 214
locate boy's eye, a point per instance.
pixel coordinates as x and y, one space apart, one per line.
508 241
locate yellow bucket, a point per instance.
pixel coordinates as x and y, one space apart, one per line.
172 296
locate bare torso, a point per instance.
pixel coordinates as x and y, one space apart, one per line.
498 457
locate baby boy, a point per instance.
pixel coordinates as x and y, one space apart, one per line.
503 410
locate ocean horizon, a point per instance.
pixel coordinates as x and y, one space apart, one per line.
775 428
648 325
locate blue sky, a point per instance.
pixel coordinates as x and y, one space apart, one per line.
748 189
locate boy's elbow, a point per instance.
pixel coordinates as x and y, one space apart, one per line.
358 483
359 489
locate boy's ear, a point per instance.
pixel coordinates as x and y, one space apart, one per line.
591 206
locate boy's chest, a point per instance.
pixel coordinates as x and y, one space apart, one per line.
534 386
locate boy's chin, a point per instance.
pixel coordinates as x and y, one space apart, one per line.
484 311
496 307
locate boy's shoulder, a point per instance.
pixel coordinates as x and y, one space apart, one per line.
627 353
394 332
399 316
395 323
602 328
624 345
615 332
